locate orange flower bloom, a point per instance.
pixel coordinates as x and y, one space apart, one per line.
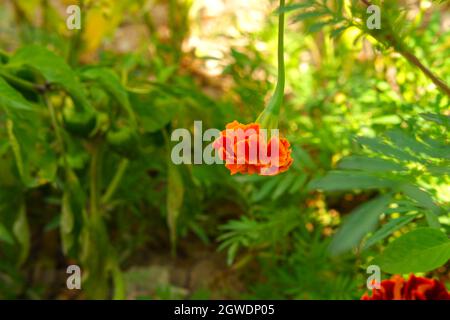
415 288
244 149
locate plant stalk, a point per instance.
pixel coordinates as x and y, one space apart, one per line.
123 165
269 117
23 83
94 183
412 59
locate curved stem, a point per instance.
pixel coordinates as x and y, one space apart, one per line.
58 134
115 181
94 183
279 90
269 117
412 59
439 83
277 98
23 83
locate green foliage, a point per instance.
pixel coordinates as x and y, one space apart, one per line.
400 164
360 222
86 176
420 250
308 273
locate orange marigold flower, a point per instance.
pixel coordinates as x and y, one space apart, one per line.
244 149
415 288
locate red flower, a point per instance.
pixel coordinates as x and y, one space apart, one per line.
415 288
244 149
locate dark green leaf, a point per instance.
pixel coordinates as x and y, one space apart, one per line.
153 114
296 6
383 148
111 83
348 180
52 67
404 141
5 235
308 15
369 164
387 229
361 221
285 183
421 196
12 100
438 118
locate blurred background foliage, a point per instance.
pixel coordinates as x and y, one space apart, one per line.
85 171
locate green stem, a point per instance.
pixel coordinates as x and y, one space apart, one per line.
411 58
279 90
22 83
272 110
439 83
57 128
115 181
94 187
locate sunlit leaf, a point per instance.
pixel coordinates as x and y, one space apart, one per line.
387 229
420 250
